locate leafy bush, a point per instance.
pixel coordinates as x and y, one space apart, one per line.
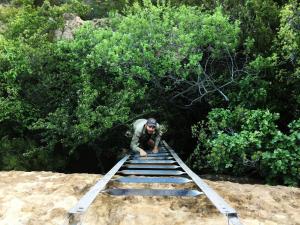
60 97
282 162
36 24
24 154
175 50
67 94
247 142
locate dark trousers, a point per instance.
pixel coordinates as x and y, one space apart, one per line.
147 144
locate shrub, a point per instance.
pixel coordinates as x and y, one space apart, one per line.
245 142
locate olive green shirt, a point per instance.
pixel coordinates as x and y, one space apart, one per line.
139 133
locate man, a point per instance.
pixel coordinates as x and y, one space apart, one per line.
146 134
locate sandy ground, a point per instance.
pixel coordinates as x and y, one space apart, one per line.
43 198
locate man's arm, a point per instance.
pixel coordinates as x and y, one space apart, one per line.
134 145
157 140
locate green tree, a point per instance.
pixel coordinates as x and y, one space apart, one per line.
244 142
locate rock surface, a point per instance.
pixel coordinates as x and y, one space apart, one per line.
72 22
35 198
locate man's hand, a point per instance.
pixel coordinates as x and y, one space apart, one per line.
143 153
155 149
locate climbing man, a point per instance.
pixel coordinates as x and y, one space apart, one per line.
146 135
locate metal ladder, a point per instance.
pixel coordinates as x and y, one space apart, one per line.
162 167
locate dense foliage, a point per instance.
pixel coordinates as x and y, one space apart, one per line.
61 100
245 141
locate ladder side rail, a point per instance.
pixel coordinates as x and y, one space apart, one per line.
89 197
215 198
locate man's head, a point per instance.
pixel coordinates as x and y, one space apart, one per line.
151 125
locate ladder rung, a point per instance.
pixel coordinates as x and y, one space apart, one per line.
152 157
149 166
158 154
152 172
150 161
174 180
154 192
160 151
